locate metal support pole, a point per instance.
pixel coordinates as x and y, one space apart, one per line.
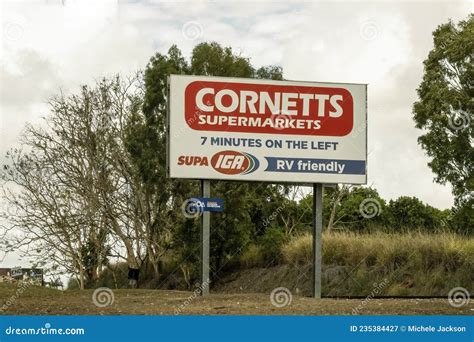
205 237
317 238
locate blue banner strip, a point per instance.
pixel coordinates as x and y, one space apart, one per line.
308 165
237 328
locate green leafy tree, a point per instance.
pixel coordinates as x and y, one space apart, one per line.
146 143
410 213
356 208
461 219
445 107
232 230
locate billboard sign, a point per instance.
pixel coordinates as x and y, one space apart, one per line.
264 130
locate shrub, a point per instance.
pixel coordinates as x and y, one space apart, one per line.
271 242
298 250
252 257
410 213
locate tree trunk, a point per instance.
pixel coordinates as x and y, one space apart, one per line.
332 217
81 278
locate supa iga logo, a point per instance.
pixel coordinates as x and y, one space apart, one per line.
226 162
234 163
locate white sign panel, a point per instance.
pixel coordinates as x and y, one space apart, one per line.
263 130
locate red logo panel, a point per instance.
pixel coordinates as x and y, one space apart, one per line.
268 108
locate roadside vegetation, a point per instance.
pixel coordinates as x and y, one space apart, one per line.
354 264
406 264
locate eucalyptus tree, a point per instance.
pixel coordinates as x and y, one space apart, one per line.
445 110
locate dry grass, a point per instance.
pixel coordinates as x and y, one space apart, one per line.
38 301
414 263
383 249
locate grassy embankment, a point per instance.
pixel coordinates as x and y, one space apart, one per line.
409 264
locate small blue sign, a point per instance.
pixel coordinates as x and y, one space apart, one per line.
209 204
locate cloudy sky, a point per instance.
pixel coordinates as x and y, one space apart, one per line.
53 45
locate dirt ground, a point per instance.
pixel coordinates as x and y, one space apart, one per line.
42 301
